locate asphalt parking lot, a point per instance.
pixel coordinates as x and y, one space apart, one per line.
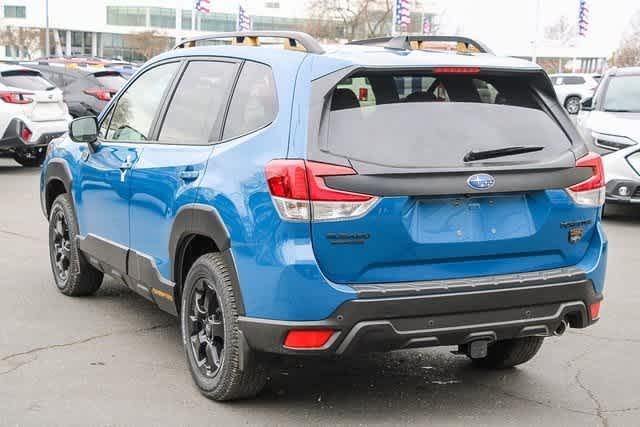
114 359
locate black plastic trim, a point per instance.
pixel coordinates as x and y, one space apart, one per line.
383 324
57 169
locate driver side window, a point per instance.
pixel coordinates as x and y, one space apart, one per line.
132 117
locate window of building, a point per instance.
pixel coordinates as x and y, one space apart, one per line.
186 19
137 106
272 4
254 104
128 16
15 11
197 108
162 17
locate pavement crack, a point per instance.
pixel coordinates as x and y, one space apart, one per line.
24 236
600 411
35 351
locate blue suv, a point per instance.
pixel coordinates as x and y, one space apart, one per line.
384 195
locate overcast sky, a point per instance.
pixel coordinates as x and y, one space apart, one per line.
509 25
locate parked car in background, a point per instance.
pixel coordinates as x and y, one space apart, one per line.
86 90
573 88
610 123
32 113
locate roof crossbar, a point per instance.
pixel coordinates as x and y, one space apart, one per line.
405 42
293 39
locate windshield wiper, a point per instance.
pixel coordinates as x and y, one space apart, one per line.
472 156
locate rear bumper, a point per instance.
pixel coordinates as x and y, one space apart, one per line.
632 195
425 320
42 134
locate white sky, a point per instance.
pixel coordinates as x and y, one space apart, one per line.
508 26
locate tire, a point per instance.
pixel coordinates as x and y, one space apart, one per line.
572 104
209 299
509 353
30 159
73 275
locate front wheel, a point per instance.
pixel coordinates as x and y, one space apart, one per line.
211 336
572 104
508 353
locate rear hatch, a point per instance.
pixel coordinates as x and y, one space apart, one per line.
467 169
46 102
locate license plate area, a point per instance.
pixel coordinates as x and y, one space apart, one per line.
471 219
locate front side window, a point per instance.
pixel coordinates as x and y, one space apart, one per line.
197 108
137 106
622 95
255 102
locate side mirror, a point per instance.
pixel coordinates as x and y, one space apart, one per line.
587 104
84 130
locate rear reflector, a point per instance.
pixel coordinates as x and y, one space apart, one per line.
299 192
594 310
456 70
307 338
590 192
26 134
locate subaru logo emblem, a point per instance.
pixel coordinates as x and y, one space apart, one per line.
481 181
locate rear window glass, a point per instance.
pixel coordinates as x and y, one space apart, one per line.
111 81
433 121
26 79
622 95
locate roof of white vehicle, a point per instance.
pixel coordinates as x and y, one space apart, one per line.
626 71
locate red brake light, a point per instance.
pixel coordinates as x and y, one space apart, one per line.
25 134
318 190
594 310
363 94
15 97
307 338
287 179
101 94
594 161
456 70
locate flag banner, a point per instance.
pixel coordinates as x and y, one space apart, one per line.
583 18
244 20
203 6
426 24
403 13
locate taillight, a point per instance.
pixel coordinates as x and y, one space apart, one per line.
25 134
363 94
101 94
456 70
594 310
16 97
590 192
299 192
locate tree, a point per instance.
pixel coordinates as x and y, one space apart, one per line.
357 18
148 43
560 30
628 54
25 40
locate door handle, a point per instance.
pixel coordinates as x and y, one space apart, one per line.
189 175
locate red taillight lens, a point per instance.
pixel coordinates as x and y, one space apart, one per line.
101 94
590 192
363 94
594 310
456 70
307 338
25 134
16 97
298 188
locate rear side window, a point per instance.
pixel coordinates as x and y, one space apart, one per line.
112 81
254 104
137 107
26 79
574 80
197 108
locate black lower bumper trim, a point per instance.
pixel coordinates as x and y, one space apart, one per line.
384 324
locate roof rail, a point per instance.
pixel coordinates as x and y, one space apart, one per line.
408 42
294 40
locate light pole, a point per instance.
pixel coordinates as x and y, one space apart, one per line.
46 31
534 57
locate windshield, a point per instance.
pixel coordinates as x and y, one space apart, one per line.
623 94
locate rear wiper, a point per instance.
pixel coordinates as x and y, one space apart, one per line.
472 156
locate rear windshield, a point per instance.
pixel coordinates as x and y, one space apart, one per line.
26 79
113 81
432 120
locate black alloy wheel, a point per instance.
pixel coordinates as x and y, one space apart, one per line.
206 329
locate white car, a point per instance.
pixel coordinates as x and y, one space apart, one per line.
571 89
32 113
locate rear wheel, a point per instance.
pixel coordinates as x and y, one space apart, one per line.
572 104
74 276
509 353
211 336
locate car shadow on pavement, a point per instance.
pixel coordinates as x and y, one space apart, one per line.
622 214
